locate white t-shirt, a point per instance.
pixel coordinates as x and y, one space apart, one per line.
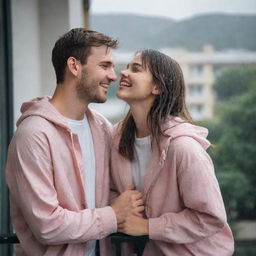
142 156
82 129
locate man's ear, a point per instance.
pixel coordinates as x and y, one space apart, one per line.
155 90
73 66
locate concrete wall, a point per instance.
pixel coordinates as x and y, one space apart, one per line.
244 230
54 22
36 25
26 52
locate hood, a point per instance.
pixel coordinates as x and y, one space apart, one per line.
43 108
176 127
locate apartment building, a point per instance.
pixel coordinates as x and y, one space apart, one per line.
200 72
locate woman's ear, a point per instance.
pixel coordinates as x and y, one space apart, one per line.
155 90
73 66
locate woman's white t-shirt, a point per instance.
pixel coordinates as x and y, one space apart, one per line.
142 156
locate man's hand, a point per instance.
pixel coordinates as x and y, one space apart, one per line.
129 202
134 226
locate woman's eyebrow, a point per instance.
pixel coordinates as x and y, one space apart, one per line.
134 64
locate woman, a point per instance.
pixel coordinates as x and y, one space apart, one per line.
157 149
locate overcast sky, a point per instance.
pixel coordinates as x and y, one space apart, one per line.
176 9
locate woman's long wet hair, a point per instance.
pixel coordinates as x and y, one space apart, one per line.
170 102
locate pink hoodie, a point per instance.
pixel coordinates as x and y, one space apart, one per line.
181 193
45 176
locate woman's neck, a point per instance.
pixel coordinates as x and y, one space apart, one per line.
140 114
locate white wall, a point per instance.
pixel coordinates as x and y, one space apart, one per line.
36 25
56 18
54 22
26 65
76 16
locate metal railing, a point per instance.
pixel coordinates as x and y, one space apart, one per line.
9 239
138 242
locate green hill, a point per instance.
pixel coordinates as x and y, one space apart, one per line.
220 30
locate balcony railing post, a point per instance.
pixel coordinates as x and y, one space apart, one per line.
138 242
9 239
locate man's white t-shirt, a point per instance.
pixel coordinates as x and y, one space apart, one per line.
142 156
82 129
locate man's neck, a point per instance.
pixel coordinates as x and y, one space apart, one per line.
68 104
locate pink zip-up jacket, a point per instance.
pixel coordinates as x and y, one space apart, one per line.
47 192
182 197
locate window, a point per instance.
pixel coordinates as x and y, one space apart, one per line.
217 70
197 108
196 111
196 70
6 119
195 90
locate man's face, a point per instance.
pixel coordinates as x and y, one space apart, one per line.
97 74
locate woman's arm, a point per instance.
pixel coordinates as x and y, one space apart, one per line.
204 213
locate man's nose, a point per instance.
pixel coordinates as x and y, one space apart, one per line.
112 75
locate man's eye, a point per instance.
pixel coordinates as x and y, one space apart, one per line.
105 66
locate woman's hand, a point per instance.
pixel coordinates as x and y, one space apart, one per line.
134 226
128 203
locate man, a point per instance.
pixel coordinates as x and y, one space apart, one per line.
58 160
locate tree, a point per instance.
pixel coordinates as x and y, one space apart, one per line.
234 141
236 152
234 82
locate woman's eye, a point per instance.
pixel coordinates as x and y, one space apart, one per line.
134 69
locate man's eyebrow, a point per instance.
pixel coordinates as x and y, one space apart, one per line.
109 63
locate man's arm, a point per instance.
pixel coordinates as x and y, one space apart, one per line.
30 178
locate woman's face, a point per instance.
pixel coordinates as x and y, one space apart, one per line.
136 83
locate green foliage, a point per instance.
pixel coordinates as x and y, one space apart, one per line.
215 131
235 187
221 31
234 150
234 82
245 248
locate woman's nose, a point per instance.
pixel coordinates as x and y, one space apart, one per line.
124 73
